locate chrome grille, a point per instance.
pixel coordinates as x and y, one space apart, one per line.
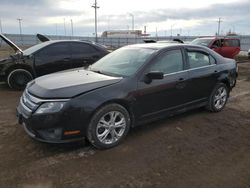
29 101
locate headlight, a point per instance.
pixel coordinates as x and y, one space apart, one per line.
50 107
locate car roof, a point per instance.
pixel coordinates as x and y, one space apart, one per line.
159 46
56 41
219 37
156 46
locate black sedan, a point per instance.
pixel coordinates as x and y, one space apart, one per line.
131 86
47 57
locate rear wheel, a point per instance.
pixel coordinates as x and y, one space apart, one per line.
18 78
218 98
108 126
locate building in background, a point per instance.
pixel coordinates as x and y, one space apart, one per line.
124 33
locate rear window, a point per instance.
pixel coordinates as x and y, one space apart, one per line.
232 43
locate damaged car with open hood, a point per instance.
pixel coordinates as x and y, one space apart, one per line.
47 57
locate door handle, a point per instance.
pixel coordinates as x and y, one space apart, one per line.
180 83
215 71
181 80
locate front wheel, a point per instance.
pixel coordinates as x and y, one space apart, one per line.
218 98
18 78
108 126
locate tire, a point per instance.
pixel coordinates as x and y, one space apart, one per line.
218 98
102 132
18 78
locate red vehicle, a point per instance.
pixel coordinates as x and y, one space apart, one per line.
227 47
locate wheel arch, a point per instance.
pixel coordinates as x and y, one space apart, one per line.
123 103
225 80
19 66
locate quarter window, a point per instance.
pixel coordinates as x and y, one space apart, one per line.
197 59
169 62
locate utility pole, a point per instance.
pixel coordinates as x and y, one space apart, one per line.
95 7
72 30
172 30
133 21
64 26
20 29
218 33
1 28
56 29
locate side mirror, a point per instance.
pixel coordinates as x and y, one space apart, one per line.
153 75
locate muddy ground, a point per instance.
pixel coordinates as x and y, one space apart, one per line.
194 149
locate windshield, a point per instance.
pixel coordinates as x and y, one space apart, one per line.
122 62
34 48
203 42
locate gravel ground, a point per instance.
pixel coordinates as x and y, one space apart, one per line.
194 149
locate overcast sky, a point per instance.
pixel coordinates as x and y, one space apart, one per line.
187 17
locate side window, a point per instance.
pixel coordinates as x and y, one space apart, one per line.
197 59
79 48
217 43
52 53
54 50
232 43
170 62
212 60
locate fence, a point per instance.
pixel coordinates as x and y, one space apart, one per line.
29 40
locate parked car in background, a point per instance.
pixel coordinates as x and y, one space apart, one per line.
163 41
227 47
130 86
47 57
249 54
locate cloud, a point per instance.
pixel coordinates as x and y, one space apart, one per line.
43 15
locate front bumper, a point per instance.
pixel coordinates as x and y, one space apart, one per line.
49 128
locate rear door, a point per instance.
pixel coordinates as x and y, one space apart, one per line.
53 58
230 48
84 54
203 73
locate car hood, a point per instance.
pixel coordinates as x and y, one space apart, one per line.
10 43
69 84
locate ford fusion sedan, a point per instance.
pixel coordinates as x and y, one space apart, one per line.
47 57
126 88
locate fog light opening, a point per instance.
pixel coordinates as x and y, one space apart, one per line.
74 132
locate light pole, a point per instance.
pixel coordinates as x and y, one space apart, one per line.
72 30
218 33
64 26
95 7
172 30
20 29
133 21
56 30
1 28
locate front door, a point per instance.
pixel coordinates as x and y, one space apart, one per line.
159 96
53 58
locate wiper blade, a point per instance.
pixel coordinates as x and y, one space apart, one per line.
97 71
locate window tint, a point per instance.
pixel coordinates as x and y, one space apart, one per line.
212 60
231 43
82 48
197 59
170 62
54 50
